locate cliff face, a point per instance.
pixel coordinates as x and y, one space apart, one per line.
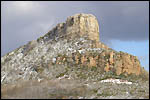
74 43
117 62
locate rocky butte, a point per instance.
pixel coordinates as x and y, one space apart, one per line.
70 50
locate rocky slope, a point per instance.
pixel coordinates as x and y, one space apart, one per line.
70 50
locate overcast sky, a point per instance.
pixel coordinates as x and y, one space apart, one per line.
123 24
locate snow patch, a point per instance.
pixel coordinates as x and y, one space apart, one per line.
65 76
54 60
118 81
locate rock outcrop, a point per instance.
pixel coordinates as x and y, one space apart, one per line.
109 60
73 43
79 24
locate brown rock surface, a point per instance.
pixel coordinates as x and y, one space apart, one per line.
84 24
121 62
83 59
92 61
111 58
107 68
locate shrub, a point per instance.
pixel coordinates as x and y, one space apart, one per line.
94 68
60 75
39 69
38 40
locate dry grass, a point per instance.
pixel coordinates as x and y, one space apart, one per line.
45 89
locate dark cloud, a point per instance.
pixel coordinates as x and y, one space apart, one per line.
25 21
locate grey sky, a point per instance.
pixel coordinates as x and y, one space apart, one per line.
27 20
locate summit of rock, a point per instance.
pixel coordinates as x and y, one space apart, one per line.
79 24
84 24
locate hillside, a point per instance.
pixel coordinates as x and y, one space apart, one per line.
70 60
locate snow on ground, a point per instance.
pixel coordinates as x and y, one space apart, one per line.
118 81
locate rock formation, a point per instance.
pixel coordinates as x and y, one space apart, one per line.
80 24
71 62
73 43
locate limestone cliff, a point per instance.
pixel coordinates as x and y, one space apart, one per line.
79 24
74 43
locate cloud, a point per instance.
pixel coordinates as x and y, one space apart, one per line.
119 24
27 20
